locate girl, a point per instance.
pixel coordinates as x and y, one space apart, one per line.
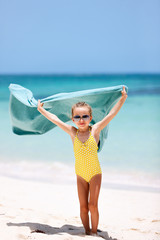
85 143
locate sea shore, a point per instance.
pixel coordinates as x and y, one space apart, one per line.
41 211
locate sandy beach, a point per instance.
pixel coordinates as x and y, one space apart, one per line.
106 54
37 210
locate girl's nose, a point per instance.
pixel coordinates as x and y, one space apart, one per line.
81 120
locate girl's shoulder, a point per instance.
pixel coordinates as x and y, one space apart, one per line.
73 131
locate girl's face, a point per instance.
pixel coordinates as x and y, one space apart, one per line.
81 117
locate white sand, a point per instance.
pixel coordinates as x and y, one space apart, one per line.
27 207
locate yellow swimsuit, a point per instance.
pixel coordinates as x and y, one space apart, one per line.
86 158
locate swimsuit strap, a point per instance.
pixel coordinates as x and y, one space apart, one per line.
77 132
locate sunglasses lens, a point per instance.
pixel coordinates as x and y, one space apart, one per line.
76 118
85 117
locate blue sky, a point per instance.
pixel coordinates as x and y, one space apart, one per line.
69 36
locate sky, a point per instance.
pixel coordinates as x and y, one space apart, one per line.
85 36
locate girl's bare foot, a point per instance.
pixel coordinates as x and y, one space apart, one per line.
94 234
88 232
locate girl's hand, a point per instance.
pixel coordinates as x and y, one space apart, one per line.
124 94
40 105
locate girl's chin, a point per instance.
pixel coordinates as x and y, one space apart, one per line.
82 125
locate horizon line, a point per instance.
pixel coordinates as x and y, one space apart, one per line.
81 74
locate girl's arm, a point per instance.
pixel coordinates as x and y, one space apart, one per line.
103 123
53 118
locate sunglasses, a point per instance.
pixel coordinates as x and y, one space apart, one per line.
84 117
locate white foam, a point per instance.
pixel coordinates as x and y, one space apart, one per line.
38 171
58 172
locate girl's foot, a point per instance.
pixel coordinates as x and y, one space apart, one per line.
94 234
88 232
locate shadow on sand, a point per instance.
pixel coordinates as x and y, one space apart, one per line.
70 229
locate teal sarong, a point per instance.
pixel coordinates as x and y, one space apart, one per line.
26 119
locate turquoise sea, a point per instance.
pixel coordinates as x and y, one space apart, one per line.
131 154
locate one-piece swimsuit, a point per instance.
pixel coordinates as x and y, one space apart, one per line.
86 157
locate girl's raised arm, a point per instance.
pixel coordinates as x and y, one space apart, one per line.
53 118
103 123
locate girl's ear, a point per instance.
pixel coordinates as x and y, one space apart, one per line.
90 118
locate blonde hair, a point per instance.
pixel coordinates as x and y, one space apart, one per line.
82 104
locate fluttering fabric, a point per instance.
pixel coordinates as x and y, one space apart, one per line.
26 119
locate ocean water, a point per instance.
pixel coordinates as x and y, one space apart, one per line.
131 154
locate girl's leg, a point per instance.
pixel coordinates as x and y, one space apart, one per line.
83 191
95 185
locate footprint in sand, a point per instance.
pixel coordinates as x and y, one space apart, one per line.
20 236
156 220
12 217
140 219
134 229
138 230
28 209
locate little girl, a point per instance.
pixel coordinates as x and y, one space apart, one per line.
85 140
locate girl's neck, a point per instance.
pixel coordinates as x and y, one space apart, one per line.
84 130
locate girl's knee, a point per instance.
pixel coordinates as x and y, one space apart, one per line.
84 209
93 207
